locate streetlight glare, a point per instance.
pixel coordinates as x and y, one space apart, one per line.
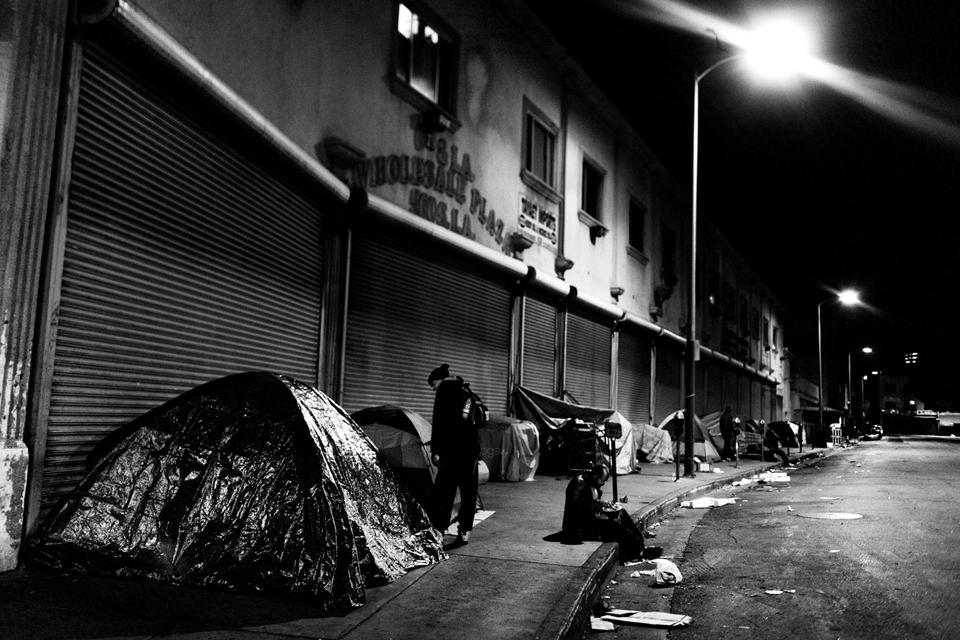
867 349
778 47
849 297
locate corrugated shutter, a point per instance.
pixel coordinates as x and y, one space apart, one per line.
185 261
756 401
539 345
633 385
588 359
743 388
409 314
668 395
714 388
730 391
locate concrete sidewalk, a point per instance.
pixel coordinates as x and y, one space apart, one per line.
508 582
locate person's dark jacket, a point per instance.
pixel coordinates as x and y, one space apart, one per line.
580 508
453 432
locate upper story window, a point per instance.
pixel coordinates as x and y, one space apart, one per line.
766 333
425 59
539 151
591 189
776 338
744 317
755 324
591 198
637 217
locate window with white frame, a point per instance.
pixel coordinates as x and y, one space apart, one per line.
539 151
637 220
425 58
591 189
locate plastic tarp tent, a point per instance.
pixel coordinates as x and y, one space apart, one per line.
403 438
253 482
703 445
786 432
510 448
554 419
655 444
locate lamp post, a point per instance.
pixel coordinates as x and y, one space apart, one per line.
865 351
778 48
848 298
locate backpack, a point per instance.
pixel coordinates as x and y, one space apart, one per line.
475 411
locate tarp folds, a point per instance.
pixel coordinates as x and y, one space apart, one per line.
703 445
510 448
786 432
555 419
402 436
253 482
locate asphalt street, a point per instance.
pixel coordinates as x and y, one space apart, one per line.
860 545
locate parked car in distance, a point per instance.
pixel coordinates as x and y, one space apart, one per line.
872 431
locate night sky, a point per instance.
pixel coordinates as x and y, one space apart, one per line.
816 190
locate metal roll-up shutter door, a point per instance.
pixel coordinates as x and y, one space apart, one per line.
714 388
409 314
588 359
730 391
539 346
184 261
743 401
756 401
668 395
633 385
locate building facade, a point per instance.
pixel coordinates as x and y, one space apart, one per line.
347 193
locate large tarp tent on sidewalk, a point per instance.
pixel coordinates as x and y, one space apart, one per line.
253 482
703 444
403 438
554 419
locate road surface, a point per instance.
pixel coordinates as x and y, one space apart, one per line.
863 544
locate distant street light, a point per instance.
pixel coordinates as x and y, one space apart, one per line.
865 351
848 298
780 55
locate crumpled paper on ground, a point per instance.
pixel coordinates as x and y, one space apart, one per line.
706 503
665 572
648 618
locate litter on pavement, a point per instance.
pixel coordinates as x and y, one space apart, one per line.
648 618
773 476
599 624
706 503
664 572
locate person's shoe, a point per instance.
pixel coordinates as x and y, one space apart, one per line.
649 553
463 537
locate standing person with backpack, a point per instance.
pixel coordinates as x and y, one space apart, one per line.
455 445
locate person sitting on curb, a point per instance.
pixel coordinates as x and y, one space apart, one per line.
586 516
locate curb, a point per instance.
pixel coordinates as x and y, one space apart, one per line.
569 617
570 614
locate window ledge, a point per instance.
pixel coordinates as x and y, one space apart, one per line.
540 186
637 255
420 102
597 230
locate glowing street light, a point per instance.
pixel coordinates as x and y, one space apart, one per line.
848 298
767 49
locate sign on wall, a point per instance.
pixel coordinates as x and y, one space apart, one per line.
442 186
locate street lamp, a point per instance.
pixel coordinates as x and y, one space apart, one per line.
778 54
848 298
865 351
